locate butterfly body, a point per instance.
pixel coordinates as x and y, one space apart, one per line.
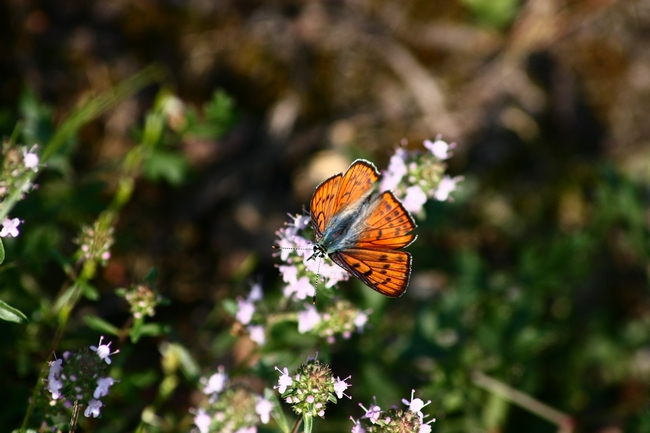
362 231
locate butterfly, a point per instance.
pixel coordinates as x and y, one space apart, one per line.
362 231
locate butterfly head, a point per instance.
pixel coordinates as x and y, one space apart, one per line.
319 252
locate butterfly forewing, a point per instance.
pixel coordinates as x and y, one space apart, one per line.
388 227
385 271
356 183
323 203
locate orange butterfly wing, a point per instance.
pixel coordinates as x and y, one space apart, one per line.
388 227
385 271
340 190
323 203
357 181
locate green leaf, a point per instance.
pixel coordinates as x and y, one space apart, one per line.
154 329
230 305
101 325
188 365
493 13
169 166
2 252
11 314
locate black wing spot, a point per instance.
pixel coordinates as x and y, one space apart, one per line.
367 273
379 235
356 265
386 266
383 258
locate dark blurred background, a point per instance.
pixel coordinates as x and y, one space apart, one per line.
537 273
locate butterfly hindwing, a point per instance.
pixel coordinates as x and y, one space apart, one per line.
385 271
388 226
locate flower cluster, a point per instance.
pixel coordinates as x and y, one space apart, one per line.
95 242
340 317
142 300
230 408
394 420
416 176
245 312
297 271
80 378
18 168
309 390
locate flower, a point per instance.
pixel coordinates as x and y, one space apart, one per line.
257 334
301 287
415 405
396 170
446 186
340 386
308 319
284 380
216 382
245 310
104 350
103 384
414 199
10 227
263 409
93 408
30 160
372 413
360 321
357 426
256 293
202 420
439 148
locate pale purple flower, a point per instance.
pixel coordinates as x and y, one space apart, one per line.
202 420
301 287
415 405
104 350
216 382
284 380
395 172
340 386
357 426
263 409
360 321
439 148
93 408
256 293
54 385
55 368
446 186
414 199
372 413
425 428
245 310
307 319
31 161
250 429
301 222
103 384
256 333
10 227
289 273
